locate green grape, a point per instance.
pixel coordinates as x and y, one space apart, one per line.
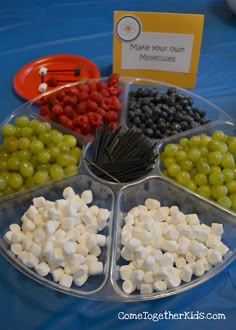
24 154
22 121
228 174
3 165
215 168
44 167
223 148
231 186
168 161
5 175
18 132
73 160
232 146
29 181
233 201
13 163
194 155
47 125
218 190
57 136
36 146
216 178
23 143
173 170
56 171
70 140
214 157
182 177
171 149
15 180
219 135
63 147
41 177
213 145
181 155
8 190
204 139
10 144
26 169
200 179
40 128
54 152
4 155
228 161
45 137
186 165
204 191
195 141
63 159
224 201
43 156
190 184
203 150
183 142
8 130
70 169
34 123
3 182
76 151
26 131
203 167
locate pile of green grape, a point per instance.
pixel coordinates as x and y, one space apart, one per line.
204 164
32 152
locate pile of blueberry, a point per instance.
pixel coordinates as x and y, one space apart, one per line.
161 114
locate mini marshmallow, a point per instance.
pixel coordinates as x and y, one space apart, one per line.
35 249
17 237
68 193
43 71
103 215
94 209
47 249
214 257
199 233
32 212
173 210
60 204
66 280
67 269
67 223
60 233
125 272
190 257
73 235
42 269
149 263
129 219
192 219
28 225
173 279
148 277
101 240
57 256
79 270
198 268
157 254
56 274
212 241
90 258
217 229
82 249
160 214
146 288
95 268
39 202
14 227
38 220
8 236
160 285
146 237
77 259
152 204
180 262
169 245
149 223
198 249
205 228
167 259
172 234
91 241
39 235
42 88
93 227
135 211
26 244
96 251
79 281
186 273
50 227
69 248
54 214
142 253
87 196
134 244
178 217
222 248
16 249
128 286
184 229
126 253
28 259
136 276
87 217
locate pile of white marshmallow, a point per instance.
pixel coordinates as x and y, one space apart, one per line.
165 247
61 237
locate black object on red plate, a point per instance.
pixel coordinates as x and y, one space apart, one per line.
27 80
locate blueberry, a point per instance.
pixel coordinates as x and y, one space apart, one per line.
149 132
138 112
149 123
137 122
171 90
184 125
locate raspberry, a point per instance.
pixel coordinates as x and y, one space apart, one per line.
81 107
106 104
95 119
101 85
104 92
57 110
113 79
81 121
83 96
44 110
101 111
70 100
111 116
97 97
91 105
69 111
115 103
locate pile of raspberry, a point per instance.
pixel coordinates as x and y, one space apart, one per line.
86 106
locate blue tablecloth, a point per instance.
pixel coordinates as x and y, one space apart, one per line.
30 29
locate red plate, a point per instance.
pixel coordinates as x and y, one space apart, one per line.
27 80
